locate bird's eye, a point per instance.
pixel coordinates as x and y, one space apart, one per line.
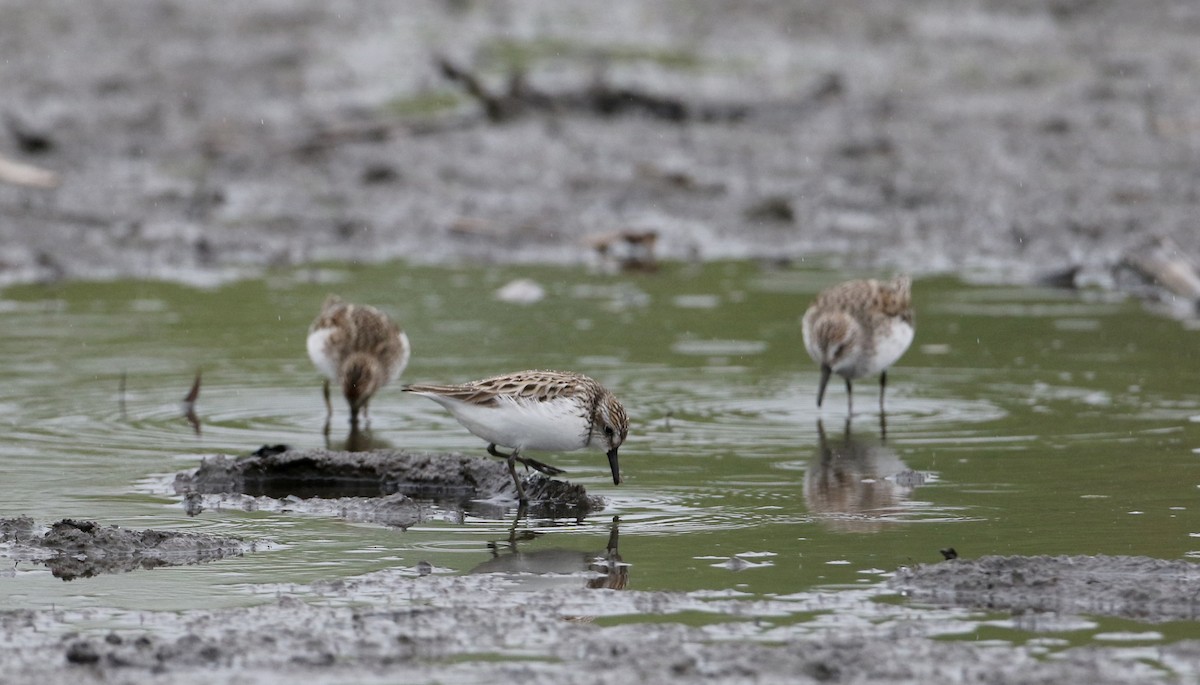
608 431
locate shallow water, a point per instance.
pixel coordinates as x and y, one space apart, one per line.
1023 421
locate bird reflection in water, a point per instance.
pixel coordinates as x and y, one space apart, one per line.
545 568
857 485
357 440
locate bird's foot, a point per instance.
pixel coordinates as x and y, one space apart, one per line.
527 462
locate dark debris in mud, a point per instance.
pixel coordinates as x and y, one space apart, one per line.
380 485
1140 588
80 549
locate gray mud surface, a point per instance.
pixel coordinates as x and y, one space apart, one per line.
375 486
1130 587
445 627
80 549
1019 138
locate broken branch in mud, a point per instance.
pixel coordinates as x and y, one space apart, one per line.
600 97
518 98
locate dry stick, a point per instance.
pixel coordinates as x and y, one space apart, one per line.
496 107
598 98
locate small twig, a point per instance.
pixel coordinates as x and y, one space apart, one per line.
189 404
195 391
497 108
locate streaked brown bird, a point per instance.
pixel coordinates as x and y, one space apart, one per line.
359 348
551 411
859 328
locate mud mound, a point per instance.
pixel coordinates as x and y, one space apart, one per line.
1131 587
324 474
81 549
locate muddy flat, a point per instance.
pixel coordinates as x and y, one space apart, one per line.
1016 139
444 625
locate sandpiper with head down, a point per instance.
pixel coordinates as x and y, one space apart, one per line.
358 347
859 328
550 411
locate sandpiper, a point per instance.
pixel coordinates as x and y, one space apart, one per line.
859 328
358 347
549 411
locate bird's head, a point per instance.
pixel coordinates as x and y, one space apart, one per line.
836 337
362 375
612 426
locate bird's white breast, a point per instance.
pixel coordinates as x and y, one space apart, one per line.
810 342
318 352
556 425
405 353
890 345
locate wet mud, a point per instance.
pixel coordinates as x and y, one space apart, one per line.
549 607
80 549
449 629
1018 141
1141 588
379 486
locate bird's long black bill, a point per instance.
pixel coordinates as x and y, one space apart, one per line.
825 372
612 463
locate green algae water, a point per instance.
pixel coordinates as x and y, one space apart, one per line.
1021 421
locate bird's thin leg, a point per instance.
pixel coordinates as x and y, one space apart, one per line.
527 462
328 408
882 388
849 398
512 470
512 458
541 467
